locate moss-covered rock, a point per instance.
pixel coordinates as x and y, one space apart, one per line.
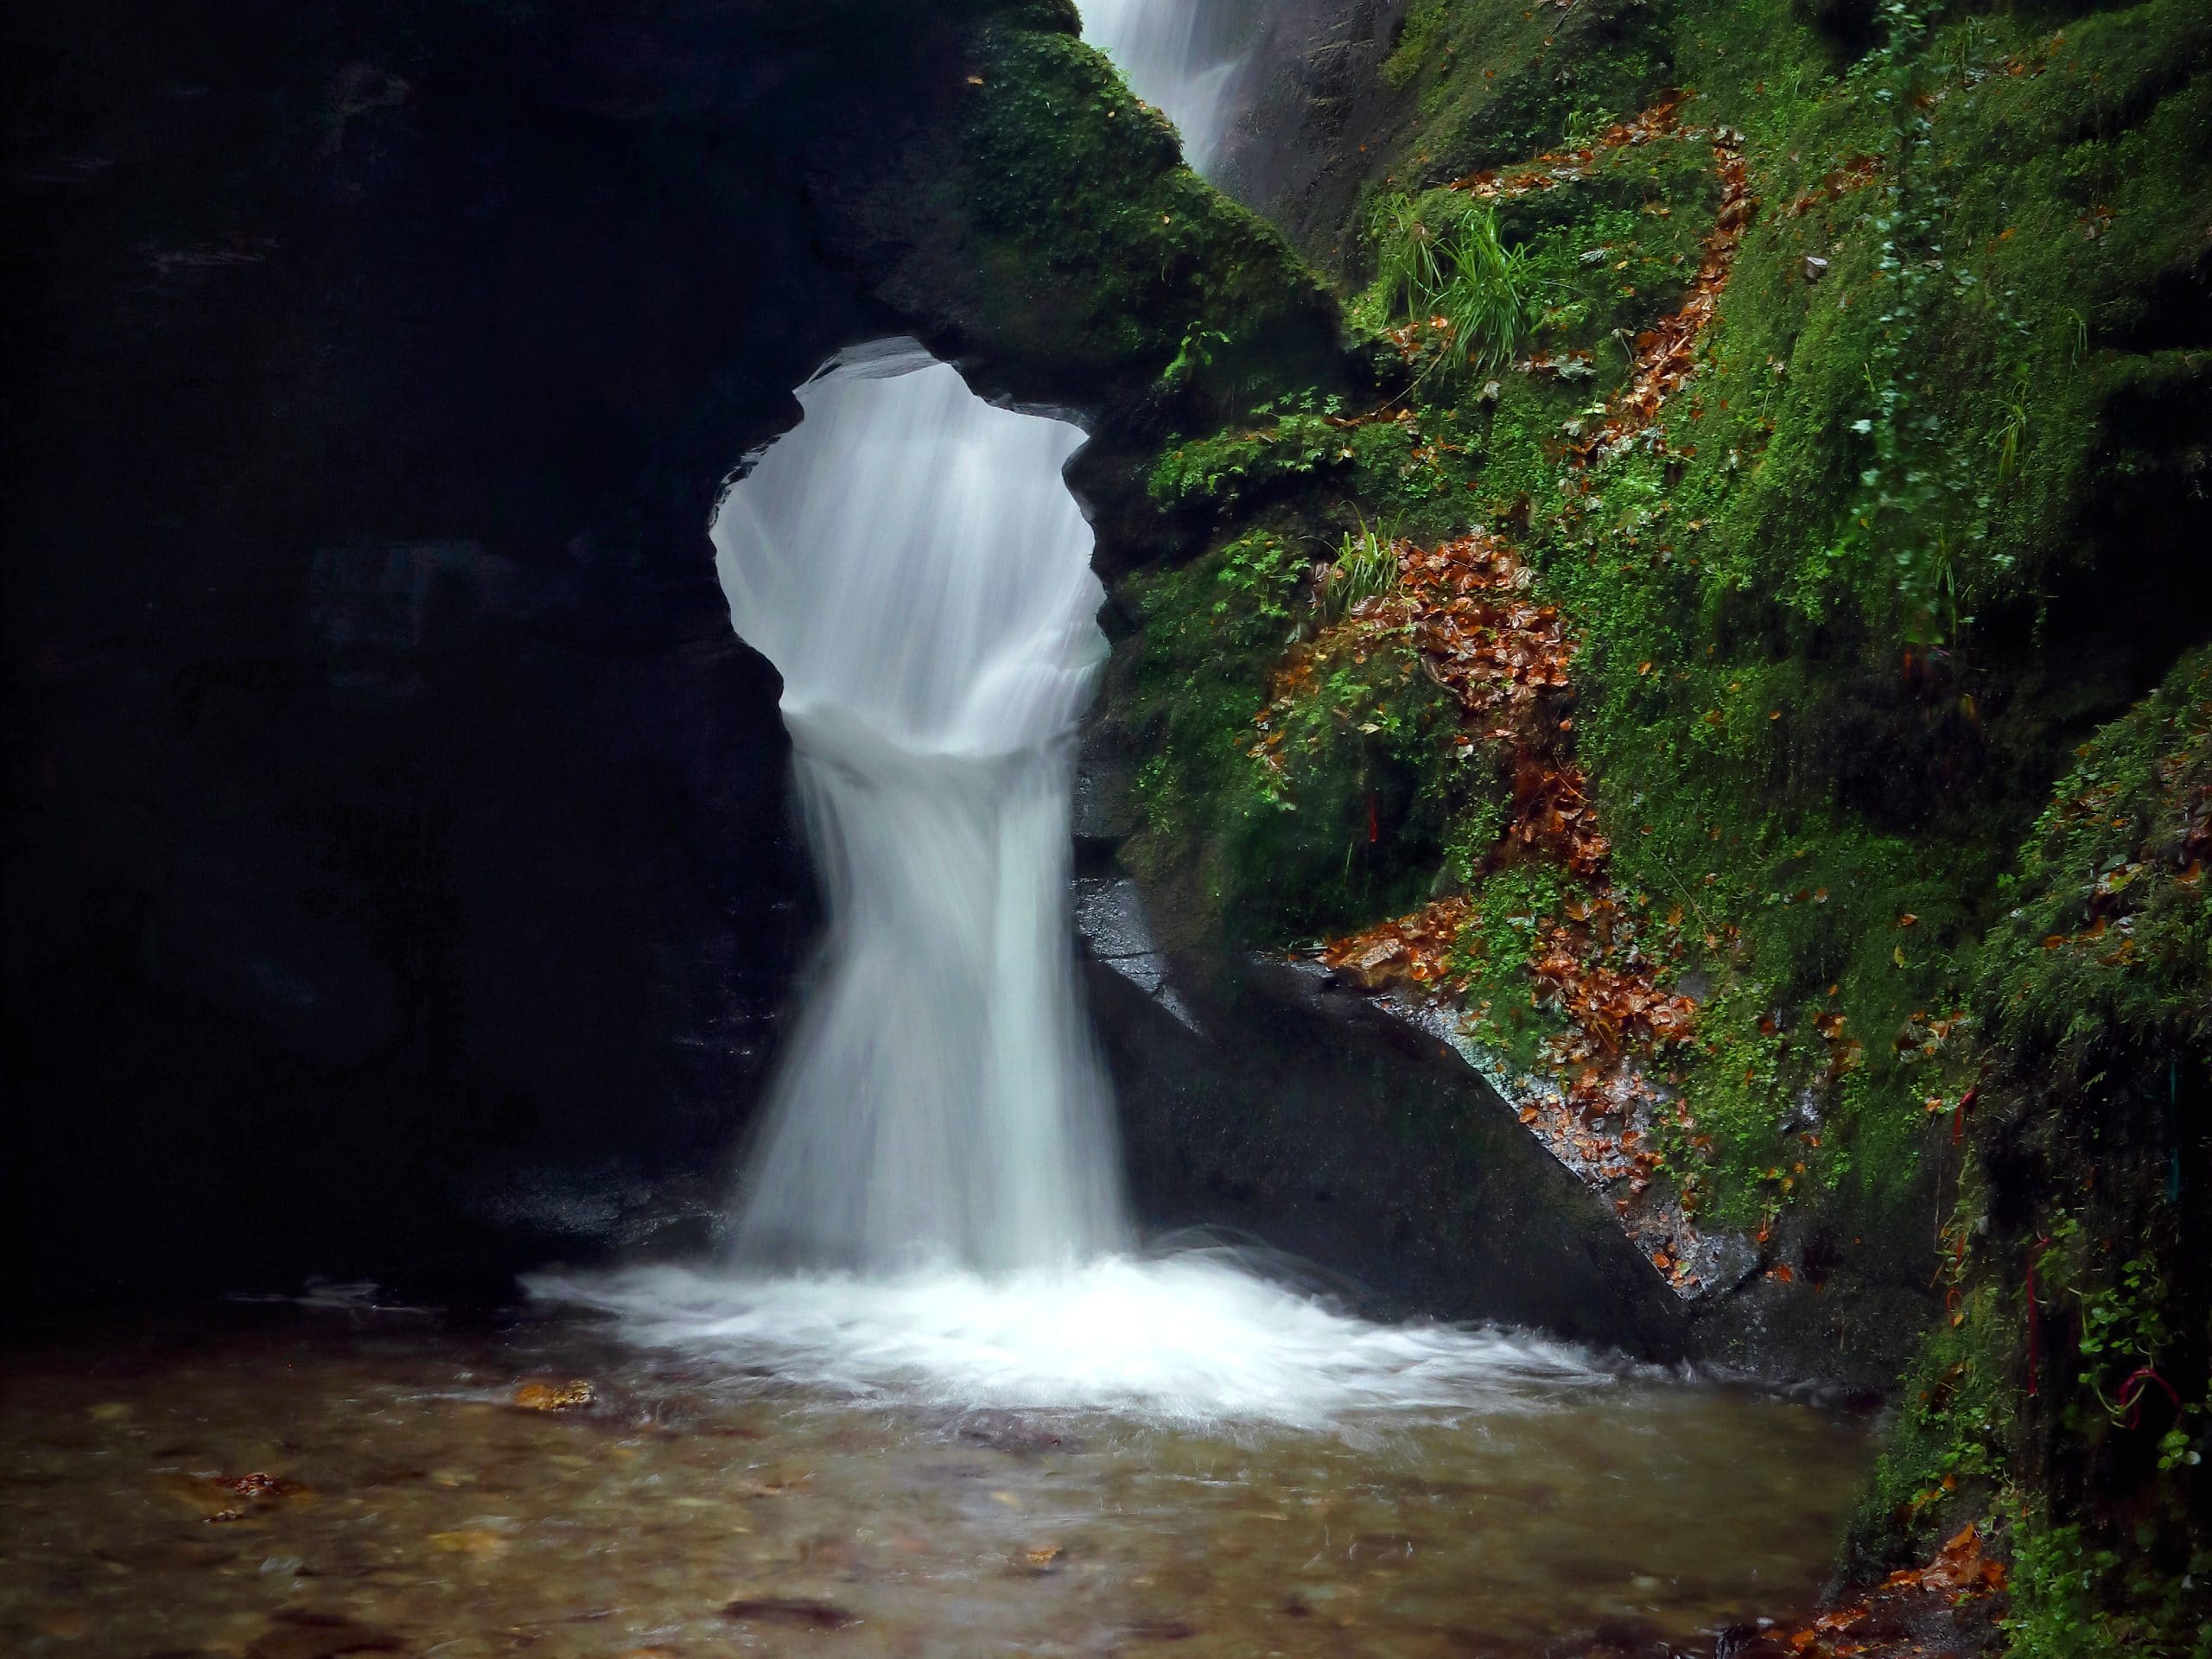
1861 441
1049 223
2067 1395
1823 670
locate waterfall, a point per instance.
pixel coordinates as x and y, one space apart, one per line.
911 560
933 1208
1171 60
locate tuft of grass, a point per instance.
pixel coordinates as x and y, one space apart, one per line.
1488 300
2010 433
1412 237
1440 256
1365 568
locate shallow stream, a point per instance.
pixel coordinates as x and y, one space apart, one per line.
289 1483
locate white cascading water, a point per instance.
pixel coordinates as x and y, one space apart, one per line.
912 563
1167 56
933 1210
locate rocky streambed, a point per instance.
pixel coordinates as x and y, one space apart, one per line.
289 1482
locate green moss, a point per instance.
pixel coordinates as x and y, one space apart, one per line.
1898 560
1095 247
2077 1595
2077 1254
1279 824
1411 473
2108 930
1945 1458
1777 743
1294 446
1814 685
1518 905
1493 81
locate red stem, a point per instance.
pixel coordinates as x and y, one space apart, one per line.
2131 1395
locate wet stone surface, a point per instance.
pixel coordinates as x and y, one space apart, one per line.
299 1484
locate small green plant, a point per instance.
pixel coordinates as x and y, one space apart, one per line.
2077 336
1412 237
1928 583
2011 435
1365 568
1195 352
2122 1325
1488 300
1968 50
1440 256
1586 126
2175 1448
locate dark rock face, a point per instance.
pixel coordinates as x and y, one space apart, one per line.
1316 1122
1312 99
392 812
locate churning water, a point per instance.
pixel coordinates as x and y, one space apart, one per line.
1191 1339
1171 60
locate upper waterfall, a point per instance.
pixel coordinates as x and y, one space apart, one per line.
911 560
1173 60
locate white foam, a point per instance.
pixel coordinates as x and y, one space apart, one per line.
1191 1338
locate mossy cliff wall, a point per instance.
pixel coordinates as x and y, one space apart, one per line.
1727 694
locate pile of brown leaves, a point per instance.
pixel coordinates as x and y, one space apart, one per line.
1591 969
1412 337
1854 174
1484 641
1466 609
1553 813
1666 353
1921 1611
1555 167
1610 995
1415 950
1503 658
